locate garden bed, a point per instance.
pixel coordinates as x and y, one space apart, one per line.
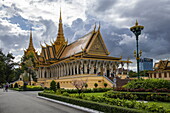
92 105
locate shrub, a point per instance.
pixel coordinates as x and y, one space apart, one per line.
105 85
53 86
65 94
138 96
142 90
11 86
93 105
106 103
16 85
95 85
86 85
58 85
148 84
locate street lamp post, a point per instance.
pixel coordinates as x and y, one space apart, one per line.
137 31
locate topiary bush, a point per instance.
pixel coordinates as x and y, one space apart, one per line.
95 85
53 86
58 85
16 85
105 85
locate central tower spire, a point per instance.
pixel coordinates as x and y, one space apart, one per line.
60 36
31 47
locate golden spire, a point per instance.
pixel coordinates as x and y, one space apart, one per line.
31 47
60 36
136 23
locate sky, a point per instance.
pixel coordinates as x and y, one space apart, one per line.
79 17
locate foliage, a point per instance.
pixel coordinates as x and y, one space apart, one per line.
29 88
105 85
95 85
53 86
148 84
86 85
124 105
142 90
16 85
58 85
6 68
85 90
27 65
90 104
164 97
141 73
11 86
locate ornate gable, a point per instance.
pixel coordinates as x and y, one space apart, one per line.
97 45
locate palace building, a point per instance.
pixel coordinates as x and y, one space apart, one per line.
86 59
161 70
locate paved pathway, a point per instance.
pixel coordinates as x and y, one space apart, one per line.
27 102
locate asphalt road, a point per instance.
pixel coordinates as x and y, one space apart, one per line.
27 102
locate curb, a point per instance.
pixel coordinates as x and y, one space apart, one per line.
71 105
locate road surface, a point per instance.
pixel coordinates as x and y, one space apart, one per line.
27 102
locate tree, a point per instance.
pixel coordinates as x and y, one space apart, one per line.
79 84
105 85
7 67
53 86
28 65
95 85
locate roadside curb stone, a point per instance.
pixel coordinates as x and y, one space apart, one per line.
71 105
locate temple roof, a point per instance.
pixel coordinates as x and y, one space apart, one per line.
77 46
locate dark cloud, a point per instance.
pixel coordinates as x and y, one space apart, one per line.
104 5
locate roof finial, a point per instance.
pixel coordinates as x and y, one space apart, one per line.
99 26
136 22
60 16
95 27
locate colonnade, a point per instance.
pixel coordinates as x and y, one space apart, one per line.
79 67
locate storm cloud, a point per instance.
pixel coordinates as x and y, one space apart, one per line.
79 17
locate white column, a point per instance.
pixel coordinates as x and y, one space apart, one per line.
67 69
91 67
77 64
122 64
73 67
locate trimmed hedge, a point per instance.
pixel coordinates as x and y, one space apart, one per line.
92 105
148 84
86 90
29 88
142 90
164 97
